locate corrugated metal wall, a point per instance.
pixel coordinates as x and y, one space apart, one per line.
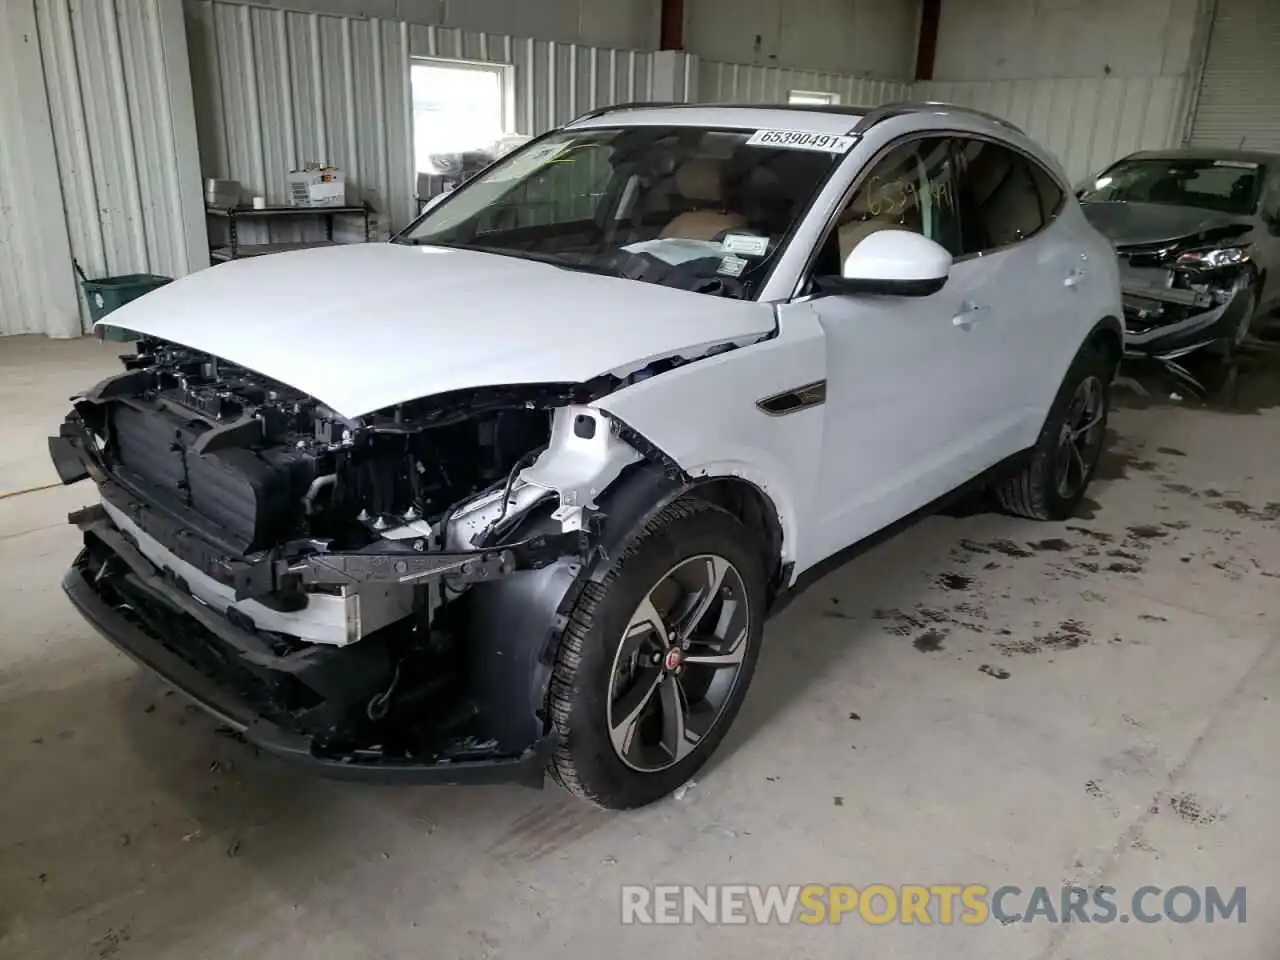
1087 122
124 125
36 290
105 153
744 83
277 88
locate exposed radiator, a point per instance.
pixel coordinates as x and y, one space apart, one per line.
249 500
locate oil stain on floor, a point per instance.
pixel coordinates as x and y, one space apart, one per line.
930 641
1068 635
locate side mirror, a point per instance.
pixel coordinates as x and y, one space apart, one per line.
893 263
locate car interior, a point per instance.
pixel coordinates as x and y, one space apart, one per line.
1003 196
699 186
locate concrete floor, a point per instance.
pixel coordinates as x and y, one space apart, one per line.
983 700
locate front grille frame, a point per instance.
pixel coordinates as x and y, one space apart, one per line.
246 498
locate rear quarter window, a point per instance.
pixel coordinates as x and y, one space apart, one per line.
1002 202
1050 193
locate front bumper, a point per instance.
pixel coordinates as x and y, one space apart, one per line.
1167 323
226 700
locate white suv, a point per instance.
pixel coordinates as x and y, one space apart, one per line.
519 489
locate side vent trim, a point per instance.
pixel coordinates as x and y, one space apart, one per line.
794 400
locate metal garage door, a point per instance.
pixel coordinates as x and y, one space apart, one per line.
1240 92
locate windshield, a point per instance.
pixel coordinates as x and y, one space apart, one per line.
703 210
1227 186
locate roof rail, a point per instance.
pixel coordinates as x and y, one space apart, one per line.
887 110
852 110
630 105
868 116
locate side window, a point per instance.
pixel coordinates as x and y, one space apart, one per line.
1001 202
567 190
1051 195
909 188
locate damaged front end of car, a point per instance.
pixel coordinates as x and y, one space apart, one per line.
1181 297
379 596
1180 303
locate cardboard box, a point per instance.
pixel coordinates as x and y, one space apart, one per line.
317 186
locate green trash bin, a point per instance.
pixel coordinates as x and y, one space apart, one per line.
109 293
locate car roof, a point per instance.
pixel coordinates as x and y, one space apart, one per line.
1207 153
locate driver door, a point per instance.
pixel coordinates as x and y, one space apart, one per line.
904 393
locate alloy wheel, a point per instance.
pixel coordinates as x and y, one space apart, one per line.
1080 439
678 663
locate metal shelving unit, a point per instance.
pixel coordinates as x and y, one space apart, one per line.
233 249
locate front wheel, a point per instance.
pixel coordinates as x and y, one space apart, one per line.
1052 484
657 657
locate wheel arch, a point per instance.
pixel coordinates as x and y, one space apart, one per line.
644 490
1108 333
757 512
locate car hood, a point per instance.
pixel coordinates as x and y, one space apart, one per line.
362 327
1145 224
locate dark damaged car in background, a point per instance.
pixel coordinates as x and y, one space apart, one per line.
1198 237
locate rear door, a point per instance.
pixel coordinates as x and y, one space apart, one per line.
1009 205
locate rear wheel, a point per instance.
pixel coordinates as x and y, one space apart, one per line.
657 657
1052 484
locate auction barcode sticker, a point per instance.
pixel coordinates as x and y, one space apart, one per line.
798 140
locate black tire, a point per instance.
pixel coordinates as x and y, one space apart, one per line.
1033 491
585 761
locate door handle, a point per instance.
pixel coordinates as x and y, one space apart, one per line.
969 312
1074 278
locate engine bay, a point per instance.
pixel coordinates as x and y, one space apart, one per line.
284 515
214 436
257 535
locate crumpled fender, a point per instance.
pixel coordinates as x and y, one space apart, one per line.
706 416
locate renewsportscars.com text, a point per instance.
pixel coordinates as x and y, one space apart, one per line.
944 904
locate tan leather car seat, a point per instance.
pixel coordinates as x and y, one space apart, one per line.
698 182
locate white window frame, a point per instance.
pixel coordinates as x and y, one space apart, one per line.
815 98
506 74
